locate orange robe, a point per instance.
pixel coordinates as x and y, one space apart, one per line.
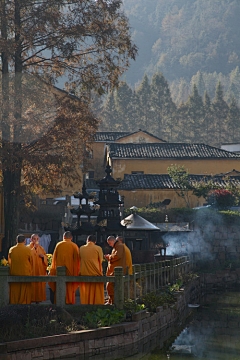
128 258
20 261
66 254
39 268
117 258
91 257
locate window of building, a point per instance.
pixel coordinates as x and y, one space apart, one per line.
90 175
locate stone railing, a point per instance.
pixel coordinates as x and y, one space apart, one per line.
145 278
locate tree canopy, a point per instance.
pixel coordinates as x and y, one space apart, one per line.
43 137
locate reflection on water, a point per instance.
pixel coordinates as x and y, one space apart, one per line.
213 333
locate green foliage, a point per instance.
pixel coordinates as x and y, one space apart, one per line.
176 287
103 317
181 178
131 307
153 300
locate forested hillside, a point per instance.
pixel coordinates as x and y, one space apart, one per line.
185 83
151 107
182 37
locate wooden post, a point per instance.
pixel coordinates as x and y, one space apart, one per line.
149 278
143 279
4 286
128 283
156 276
171 272
159 274
153 275
136 270
61 286
118 288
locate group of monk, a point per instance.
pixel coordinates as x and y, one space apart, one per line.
86 261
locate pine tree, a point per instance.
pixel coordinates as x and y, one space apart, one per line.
184 131
233 121
144 95
109 115
123 104
200 83
208 133
220 112
233 91
162 106
195 115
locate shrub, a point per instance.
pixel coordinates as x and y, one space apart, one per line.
103 317
222 199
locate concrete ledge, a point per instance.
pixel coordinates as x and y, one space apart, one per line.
140 315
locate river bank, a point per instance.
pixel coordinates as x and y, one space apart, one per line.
126 339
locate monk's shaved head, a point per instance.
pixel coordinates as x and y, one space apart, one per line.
120 238
20 238
92 238
67 235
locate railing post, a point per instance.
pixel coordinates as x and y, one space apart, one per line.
134 283
61 286
171 272
128 283
149 278
153 276
168 271
136 269
163 273
144 281
156 274
118 288
4 286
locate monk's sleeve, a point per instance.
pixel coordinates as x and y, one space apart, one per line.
31 261
116 255
100 260
45 259
53 270
76 261
9 258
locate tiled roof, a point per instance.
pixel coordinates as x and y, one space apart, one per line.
168 151
164 181
144 131
106 136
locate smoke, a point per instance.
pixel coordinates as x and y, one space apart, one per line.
208 237
188 243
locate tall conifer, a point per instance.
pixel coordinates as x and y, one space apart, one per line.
144 95
220 112
195 114
233 121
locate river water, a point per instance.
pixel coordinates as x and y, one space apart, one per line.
213 333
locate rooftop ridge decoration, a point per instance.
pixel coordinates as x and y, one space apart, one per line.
168 151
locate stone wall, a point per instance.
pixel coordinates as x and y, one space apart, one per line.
216 243
139 336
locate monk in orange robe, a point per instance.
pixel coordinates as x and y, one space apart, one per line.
66 254
117 258
40 264
91 258
20 262
128 254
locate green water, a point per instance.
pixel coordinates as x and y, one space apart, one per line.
212 334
